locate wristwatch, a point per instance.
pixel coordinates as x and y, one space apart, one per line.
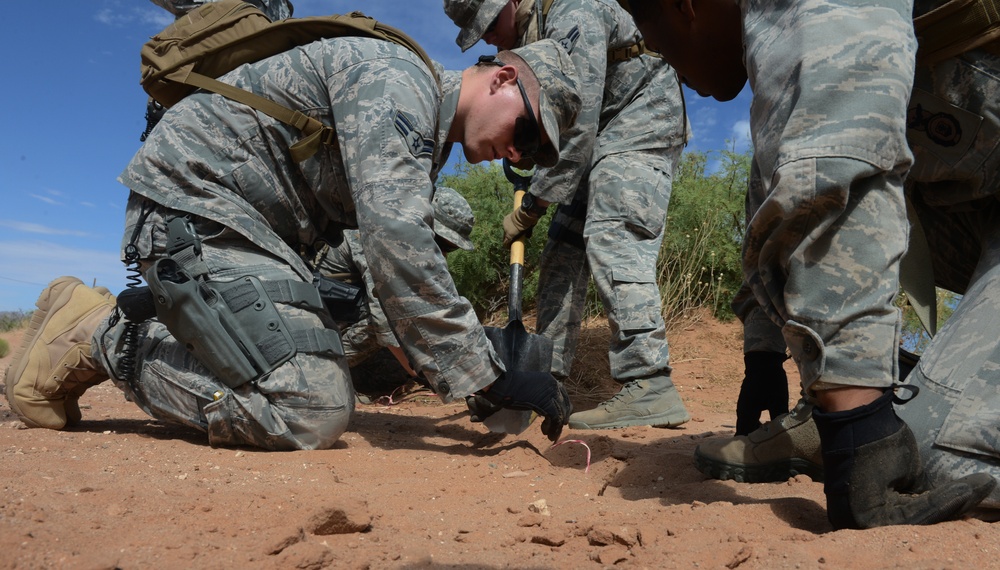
529 205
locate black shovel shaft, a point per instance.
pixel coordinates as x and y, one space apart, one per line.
514 297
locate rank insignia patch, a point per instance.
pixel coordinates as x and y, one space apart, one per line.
418 145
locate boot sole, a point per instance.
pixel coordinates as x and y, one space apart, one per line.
776 472
39 318
648 421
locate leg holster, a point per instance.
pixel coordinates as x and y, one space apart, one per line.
233 327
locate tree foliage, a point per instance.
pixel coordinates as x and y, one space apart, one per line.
483 275
699 260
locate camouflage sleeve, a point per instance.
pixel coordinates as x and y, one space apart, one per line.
386 113
580 27
831 80
377 321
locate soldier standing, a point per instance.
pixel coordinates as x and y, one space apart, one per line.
612 184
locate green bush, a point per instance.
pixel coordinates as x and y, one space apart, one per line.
699 260
4 348
11 320
483 275
915 338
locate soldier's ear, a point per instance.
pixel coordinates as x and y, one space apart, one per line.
502 75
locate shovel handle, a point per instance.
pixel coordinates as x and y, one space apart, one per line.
517 247
520 183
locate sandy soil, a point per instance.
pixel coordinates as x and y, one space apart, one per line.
416 485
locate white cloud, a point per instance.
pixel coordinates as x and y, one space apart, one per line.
46 199
740 136
118 16
39 229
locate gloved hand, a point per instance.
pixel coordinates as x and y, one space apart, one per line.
874 475
765 387
536 391
517 223
480 408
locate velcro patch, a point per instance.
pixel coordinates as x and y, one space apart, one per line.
418 145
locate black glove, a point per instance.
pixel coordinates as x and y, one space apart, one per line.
536 391
480 408
765 387
874 476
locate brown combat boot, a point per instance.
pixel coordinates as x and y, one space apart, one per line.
782 448
54 366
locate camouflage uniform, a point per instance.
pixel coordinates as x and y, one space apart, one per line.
613 184
811 240
367 336
275 9
953 129
229 169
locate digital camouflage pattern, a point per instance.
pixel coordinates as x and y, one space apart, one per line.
221 161
453 221
275 9
613 181
822 250
953 128
822 259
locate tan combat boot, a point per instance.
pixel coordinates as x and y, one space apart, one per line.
646 402
54 367
780 449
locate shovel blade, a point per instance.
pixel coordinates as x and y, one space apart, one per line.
519 349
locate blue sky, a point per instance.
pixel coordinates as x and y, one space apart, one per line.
72 111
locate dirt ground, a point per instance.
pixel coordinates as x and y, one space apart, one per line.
416 485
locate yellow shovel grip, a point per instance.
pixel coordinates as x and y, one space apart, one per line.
517 248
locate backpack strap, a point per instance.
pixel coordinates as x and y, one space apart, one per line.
628 52
316 132
956 27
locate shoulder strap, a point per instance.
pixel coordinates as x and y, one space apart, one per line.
956 27
315 131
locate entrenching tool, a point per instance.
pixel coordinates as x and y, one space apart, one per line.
519 349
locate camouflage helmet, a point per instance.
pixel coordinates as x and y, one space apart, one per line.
473 17
559 97
453 217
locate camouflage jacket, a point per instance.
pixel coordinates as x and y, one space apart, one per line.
221 160
632 104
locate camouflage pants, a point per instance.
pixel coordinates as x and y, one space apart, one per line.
956 414
305 403
626 197
953 188
822 249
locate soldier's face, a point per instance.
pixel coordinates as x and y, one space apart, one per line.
701 39
499 125
503 31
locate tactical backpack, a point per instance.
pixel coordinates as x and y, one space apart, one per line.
217 37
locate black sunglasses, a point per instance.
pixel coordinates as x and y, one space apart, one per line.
492 26
527 134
